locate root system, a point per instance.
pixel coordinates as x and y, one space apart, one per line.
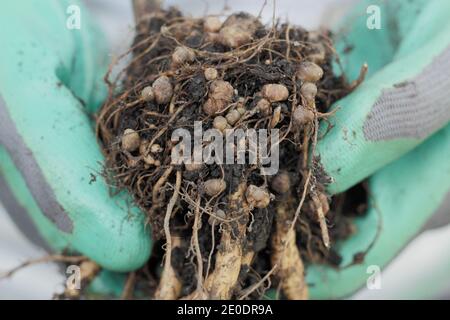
227 230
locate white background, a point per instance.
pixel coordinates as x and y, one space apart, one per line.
425 263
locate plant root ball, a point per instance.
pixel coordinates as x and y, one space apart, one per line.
212 24
130 140
214 187
210 74
182 55
302 116
275 92
257 197
309 72
163 90
281 183
234 77
148 94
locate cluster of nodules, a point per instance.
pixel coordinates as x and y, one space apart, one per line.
131 141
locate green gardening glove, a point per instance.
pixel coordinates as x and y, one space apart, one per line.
50 82
393 128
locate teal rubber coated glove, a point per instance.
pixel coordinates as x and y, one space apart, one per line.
394 128
50 82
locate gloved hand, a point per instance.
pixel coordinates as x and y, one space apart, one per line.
394 128
50 83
